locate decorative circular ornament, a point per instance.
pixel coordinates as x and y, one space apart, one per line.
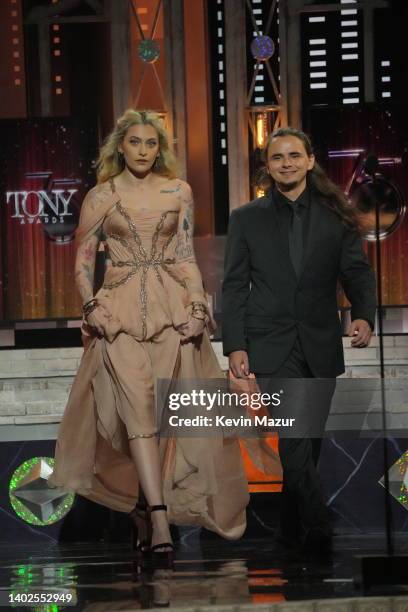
368 194
31 498
148 51
262 48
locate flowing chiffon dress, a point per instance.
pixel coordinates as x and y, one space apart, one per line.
146 293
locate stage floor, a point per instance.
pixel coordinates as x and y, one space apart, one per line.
206 572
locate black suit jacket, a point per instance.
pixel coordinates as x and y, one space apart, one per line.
265 306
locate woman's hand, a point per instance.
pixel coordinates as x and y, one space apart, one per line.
97 320
193 328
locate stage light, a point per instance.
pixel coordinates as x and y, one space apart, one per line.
262 48
31 498
260 130
148 51
398 479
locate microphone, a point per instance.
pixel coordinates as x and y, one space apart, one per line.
371 164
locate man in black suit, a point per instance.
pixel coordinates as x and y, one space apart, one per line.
285 254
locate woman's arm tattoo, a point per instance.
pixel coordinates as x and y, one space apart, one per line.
85 267
185 248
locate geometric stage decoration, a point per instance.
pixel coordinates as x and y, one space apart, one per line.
262 48
31 498
398 479
148 50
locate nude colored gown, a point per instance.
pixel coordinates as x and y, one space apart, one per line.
112 396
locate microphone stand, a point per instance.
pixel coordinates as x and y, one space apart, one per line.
390 569
375 570
388 514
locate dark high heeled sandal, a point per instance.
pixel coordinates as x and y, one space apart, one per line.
158 555
142 529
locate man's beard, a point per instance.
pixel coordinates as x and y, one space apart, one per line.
287 186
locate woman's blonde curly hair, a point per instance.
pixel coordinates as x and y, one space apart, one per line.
110 163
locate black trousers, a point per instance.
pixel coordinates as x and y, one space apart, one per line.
302 501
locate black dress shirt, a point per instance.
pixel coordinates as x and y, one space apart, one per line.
293 219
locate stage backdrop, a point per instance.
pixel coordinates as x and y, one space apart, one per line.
339 134
46 168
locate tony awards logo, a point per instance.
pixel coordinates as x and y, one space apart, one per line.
55 207
40 206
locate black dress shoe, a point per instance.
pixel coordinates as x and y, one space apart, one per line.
318 541
285 542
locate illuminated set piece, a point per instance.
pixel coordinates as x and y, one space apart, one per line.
262 48
398 480
31 498
148 51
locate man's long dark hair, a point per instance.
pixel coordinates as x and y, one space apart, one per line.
317 179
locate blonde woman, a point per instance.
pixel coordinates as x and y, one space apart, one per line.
147 321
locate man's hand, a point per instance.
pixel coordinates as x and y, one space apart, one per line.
360 331
239 364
